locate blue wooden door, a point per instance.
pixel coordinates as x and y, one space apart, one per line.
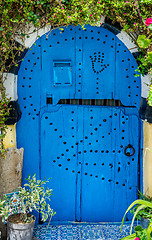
80 99
82 149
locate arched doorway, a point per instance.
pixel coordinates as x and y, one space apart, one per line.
80 126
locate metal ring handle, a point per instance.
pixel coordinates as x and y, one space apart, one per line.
128 153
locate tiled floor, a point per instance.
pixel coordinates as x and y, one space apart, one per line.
75 231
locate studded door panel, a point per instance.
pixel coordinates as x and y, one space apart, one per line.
59 157
108 175
97 57
83 152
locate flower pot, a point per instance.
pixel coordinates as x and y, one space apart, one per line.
144 222
19 231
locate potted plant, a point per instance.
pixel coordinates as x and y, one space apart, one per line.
140 233
145 214
32 196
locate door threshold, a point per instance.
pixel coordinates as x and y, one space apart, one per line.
85 223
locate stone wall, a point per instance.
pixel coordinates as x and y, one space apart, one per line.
147 159
10 175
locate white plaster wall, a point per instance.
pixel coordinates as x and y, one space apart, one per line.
102 20
10 83
28 42
145 82
126 39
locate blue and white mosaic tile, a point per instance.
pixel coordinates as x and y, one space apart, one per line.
91 232
81 232
112 232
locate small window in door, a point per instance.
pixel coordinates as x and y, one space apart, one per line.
62 73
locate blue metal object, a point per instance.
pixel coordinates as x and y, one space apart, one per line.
62 73
79 145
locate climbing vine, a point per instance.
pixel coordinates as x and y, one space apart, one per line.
18 16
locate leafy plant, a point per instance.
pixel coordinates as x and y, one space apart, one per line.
130 237
142 234
33 196
143 42
146 212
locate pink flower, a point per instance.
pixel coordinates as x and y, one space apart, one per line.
4 105
137 238
98 2
69 16
79 10
62 8
125 13
90 15
126 1
54 16
135 23
148 21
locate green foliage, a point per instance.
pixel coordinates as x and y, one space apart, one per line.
4 111
130 237
149 57
16 17
141 205
145 212
149 231
143 42
142 234
33 196
3 208
150 96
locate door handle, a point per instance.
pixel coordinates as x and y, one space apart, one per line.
129 150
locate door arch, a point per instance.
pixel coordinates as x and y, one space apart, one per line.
67 131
